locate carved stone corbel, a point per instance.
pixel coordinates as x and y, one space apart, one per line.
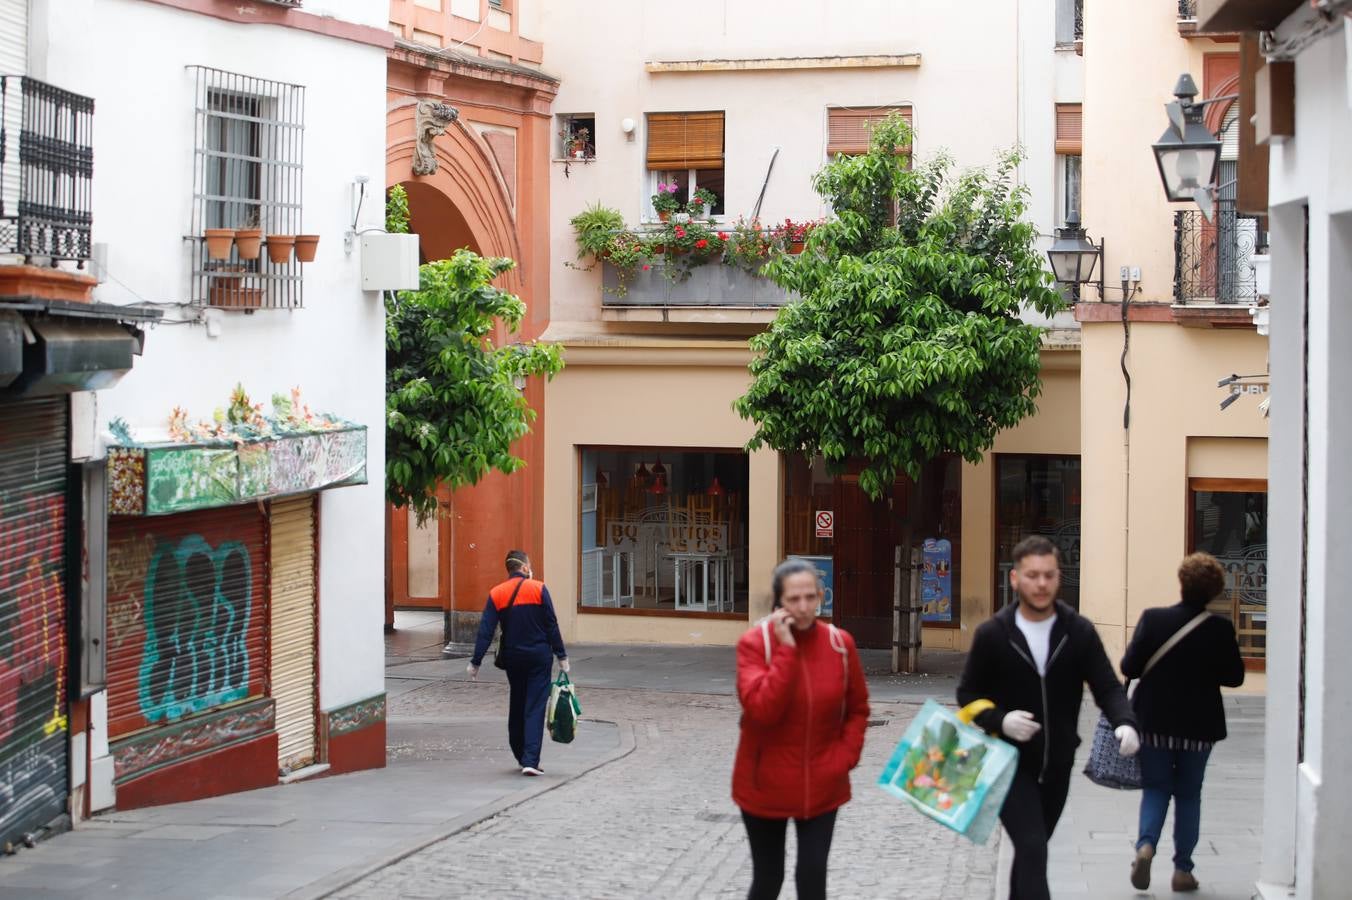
431 121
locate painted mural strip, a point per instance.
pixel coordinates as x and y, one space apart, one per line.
162 479
137 755
356 716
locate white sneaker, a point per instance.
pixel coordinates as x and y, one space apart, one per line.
531 770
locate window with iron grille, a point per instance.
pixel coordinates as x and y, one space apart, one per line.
246 211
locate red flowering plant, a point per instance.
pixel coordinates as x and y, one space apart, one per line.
664 201
684 245
750 245
791 235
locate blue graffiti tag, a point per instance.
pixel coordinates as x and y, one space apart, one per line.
197 606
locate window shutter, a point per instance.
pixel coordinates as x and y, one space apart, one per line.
685 141
1069 140
848 130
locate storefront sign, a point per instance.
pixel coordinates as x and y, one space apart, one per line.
826 574
826 523
936 580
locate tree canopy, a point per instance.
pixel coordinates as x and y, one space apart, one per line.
907 341
452 405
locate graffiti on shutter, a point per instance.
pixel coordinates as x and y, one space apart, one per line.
33 725
187 615
292 576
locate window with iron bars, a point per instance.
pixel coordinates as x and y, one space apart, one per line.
247 204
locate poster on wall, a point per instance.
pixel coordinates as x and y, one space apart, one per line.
825 572
936 580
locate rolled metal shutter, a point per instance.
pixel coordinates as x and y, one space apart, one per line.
187 615
292 577
33 724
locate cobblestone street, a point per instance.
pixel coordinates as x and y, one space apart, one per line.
660 823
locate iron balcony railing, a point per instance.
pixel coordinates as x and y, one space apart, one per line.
1187 10
1212 259
1079 20
46 170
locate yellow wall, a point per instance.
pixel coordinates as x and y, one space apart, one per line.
1177 429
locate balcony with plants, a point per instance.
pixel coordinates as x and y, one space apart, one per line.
685 259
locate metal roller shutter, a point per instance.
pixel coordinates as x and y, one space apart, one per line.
187 615
292 549
33 725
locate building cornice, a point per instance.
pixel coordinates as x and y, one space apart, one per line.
248 12
783 63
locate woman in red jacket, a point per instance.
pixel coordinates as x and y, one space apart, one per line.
804 711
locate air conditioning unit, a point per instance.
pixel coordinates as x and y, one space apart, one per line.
389 262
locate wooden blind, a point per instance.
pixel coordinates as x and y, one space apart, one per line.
1068 129
692 140
849 130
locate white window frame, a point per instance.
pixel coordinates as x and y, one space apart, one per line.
654 176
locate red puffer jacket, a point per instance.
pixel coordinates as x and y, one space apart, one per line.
803 722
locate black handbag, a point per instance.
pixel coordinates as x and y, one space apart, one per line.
502 626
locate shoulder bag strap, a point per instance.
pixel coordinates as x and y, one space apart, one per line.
502 620
1178 635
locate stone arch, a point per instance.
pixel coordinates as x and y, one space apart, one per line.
1215 113
467 176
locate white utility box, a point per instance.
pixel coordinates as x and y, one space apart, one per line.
389 262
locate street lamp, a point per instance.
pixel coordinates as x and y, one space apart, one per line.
1073 255
1188 154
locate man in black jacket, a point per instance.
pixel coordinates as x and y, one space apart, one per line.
1032 660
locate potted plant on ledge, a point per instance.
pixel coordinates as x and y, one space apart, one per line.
664 201
702 203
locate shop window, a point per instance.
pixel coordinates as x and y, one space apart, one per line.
1229 521
1038 495
663 529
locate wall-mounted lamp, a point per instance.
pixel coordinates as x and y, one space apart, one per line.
1188 154
1073 256
627 126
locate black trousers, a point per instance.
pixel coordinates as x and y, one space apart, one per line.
529 681
1030 814
767 855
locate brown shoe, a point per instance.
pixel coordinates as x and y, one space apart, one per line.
1140 867
1184 881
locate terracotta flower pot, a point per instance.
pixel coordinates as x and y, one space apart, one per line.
664 216
306 245
795 247
279 248
219 241
248 241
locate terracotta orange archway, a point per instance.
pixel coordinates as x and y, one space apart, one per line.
469 201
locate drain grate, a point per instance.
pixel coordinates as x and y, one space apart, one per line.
878 723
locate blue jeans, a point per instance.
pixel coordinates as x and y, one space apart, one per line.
1177 774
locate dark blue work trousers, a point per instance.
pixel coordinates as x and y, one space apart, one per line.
530 683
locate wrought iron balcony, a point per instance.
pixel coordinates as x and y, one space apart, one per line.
1079 20
46 170
1187 10
1211 259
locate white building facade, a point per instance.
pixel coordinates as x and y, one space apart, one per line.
244 570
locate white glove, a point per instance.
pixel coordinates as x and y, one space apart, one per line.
473 671
1020 725
1128 741
563 664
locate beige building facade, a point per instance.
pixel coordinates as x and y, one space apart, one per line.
659 527
1178 473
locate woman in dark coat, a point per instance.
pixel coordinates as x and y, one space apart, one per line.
1178 705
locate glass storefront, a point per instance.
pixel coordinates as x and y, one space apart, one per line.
1038 495
664 529
1229 521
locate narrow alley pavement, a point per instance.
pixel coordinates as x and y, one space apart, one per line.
637 807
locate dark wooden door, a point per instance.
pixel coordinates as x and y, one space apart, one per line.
864 553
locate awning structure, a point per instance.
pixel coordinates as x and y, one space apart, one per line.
54 347
161 479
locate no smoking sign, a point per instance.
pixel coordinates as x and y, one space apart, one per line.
826 523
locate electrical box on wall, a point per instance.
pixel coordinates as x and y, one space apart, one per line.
389 262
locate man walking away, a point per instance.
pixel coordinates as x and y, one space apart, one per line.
1032 661
530 641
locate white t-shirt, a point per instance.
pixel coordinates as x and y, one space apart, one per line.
1039 637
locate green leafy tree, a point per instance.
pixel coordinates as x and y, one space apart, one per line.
907 342
452 406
